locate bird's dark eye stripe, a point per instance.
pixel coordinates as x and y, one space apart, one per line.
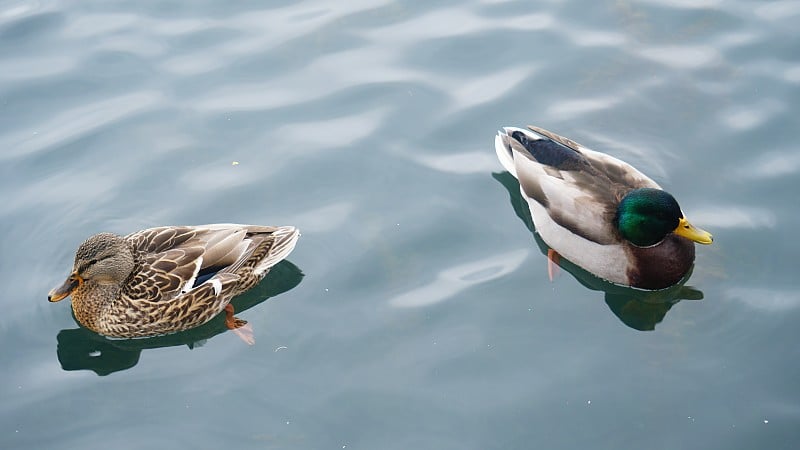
94 261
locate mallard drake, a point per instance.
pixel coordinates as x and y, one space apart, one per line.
168 279
598 212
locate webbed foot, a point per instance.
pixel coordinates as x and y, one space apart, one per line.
552 263
239 327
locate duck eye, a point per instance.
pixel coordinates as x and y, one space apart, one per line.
92 262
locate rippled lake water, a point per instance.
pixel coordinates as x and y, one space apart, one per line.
416 310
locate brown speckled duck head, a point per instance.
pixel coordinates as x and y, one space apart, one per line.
104 258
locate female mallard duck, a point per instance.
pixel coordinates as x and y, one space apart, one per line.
168 279
599 212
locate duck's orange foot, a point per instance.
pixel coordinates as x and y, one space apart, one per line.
239 327
552 263
245 333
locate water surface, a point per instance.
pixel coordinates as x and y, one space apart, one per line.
416 311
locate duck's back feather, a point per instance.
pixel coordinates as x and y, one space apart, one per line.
178 260
562 180
617 171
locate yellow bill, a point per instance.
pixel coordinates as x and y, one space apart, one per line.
689 231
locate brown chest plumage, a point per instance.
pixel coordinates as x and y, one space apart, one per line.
661 265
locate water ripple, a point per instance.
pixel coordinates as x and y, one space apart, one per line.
459 22
74 123
459 163
368 124
717 217
765 299
330 133
571 109
685 57
30 68
101 25
777 10
481 90
771 165
449 282
323 219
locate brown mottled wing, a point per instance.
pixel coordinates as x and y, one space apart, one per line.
188 310
245 266
157 240
199 305
222 244
171 257
163 276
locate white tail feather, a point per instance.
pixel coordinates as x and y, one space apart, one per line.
504 153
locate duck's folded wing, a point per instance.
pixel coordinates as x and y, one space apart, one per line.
222 244
276 247
618 172
163 276
555 174
575 200
255 246
199 304
176 256
157 240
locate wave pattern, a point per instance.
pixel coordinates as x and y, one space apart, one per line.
369 125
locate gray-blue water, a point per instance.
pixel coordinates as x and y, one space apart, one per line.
416 310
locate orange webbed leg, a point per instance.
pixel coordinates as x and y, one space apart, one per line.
552 263
239 327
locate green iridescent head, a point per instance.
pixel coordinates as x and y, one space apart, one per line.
646 216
